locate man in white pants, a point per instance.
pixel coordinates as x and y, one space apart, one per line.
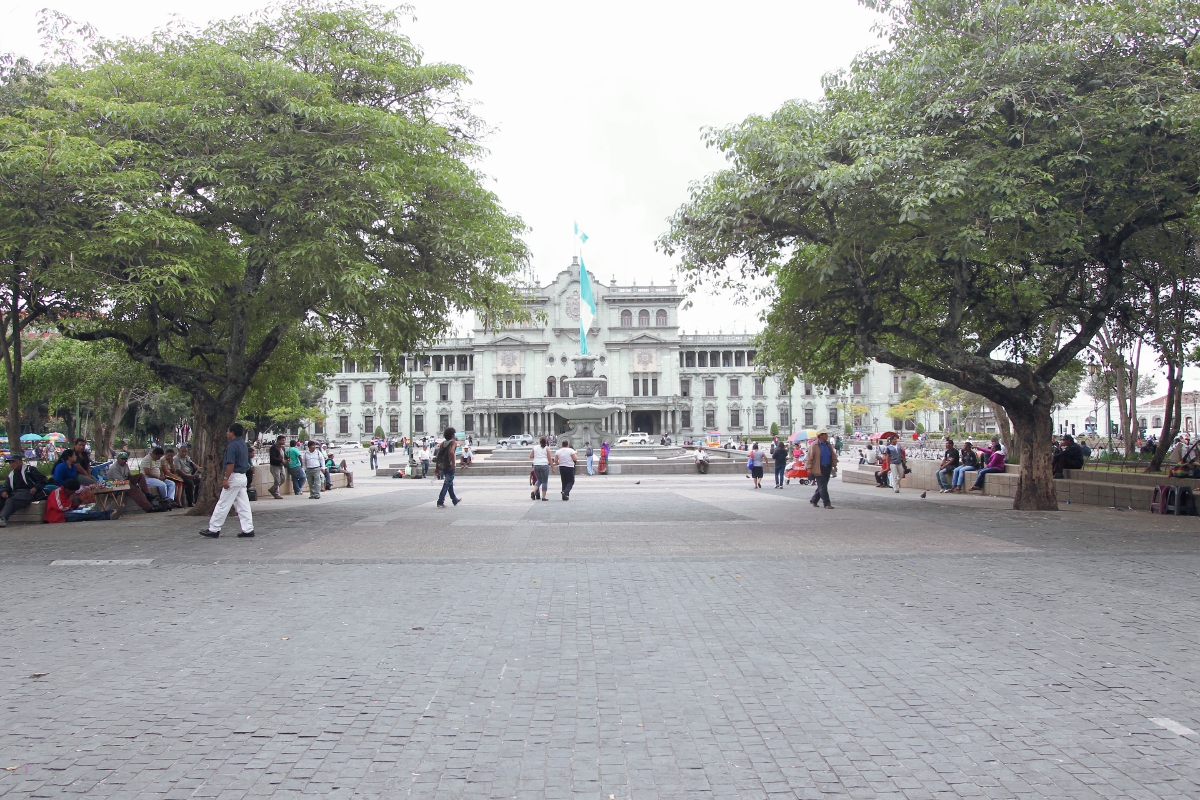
233 490
896 465
313 461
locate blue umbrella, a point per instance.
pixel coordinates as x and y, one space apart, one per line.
31 437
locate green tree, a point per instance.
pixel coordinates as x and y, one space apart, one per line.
307 184
959 203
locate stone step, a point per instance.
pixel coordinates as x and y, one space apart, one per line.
683 467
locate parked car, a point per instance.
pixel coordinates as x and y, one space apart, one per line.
516 440
635 438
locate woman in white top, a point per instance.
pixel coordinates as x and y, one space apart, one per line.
566 458
541 469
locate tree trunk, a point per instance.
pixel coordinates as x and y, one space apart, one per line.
106 427
1006 435
1171 419
1034 431
209 451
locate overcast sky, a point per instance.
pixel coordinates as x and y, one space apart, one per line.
597 108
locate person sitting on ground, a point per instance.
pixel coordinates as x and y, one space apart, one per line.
83 463
1069 457
24 485
63 506
153 474
995 463
119 473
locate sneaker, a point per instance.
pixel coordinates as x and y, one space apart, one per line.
246 535
210 534
3 522
441 505
459 500
533 495
828 508
943 491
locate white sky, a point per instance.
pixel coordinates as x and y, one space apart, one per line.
598 108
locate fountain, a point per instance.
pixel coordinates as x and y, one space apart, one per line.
583 411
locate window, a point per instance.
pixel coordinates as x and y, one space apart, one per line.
469 423
685 388
739 358
833 416
443 421
654 388
468 391
807 389
462 363
418 423
318 427
499 389
343 394
350 366
710 388
368 424
784 389
760 418
810 417
685 418
1158 422
727 358
517 388
443 392
759 387
551 387
419 393
703 358
857 387
690 358
643 319
508 388
393 394
368 393
393 423
895 384
343 425
627 319
733 388
710 419
378 364
437 363
564 389
735 418
750 354
660 318
637 387
714 357
784 417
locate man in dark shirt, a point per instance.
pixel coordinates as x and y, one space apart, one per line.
233 489
779 453
278 467
949 463
83 463
1070 457
23 486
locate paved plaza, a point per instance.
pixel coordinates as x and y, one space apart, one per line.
675 637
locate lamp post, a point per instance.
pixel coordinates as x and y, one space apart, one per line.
411 470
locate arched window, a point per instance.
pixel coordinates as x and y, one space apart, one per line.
660 318
551 384
627 319
1158 422
643 319
564 389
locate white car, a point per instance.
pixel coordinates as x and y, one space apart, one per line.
516 440
635 438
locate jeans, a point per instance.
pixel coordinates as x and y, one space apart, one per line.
591 464
541 473
425 468
297 474
84 516
822 491
374 460
944 476
233 497
567 474
278 478
960 475
981 473
447 488
780 468
166 489
191 488
313 475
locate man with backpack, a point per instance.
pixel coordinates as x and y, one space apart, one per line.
444 463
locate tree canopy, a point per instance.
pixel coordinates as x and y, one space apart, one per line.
960 203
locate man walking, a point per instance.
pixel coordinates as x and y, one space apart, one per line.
292 457
445 467
779 452
314 463
278 468
590 454
233 489
822 458
895 456
374 451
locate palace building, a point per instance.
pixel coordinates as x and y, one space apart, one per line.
498 383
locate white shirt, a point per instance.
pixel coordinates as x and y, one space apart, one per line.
312 459
565 456
541 456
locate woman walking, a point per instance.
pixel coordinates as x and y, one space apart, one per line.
567 459
759 460
541 469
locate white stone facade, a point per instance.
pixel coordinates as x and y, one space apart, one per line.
498 383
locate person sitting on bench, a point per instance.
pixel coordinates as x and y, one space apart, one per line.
24 485
1069 457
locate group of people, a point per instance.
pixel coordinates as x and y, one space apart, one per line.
955 464
308 464
563 460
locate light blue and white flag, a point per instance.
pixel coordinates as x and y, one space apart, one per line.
583 237
587 306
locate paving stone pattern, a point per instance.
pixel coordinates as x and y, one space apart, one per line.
766 650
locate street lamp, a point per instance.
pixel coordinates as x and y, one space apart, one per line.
411 470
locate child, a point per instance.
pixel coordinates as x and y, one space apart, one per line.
63 503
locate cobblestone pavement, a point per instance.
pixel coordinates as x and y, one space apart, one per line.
682 637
